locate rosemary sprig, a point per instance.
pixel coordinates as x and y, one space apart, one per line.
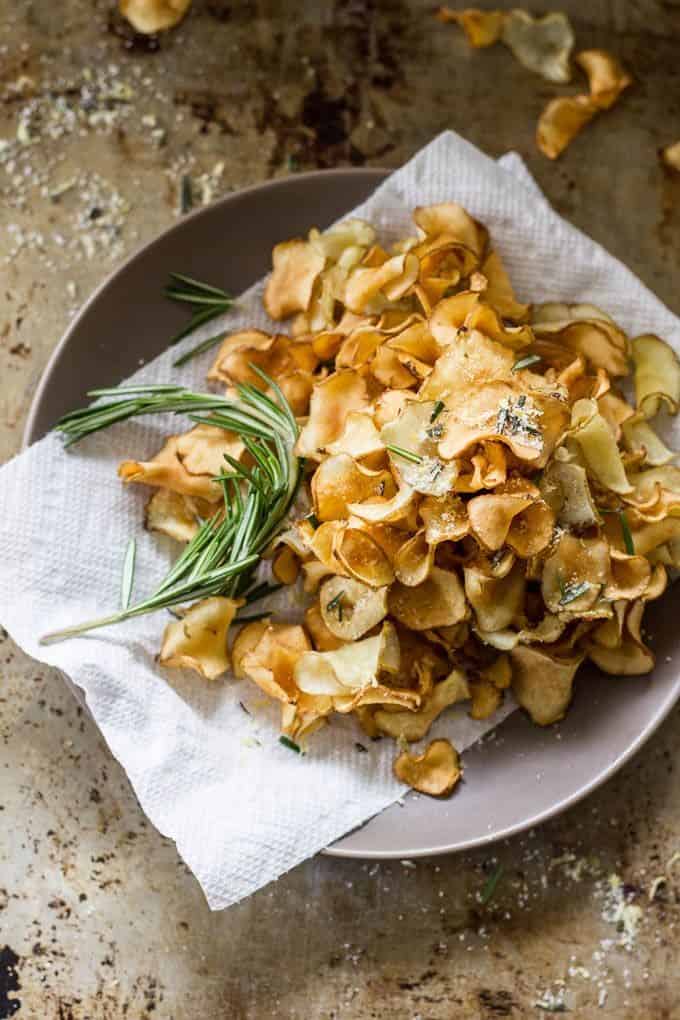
626 534
335 605
399 451
206 302
221 557
205 345
128 574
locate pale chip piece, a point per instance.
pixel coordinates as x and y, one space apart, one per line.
330 404
435 772
542 682
598 446
542 45
198 640
657 375
606 77
486 698
149 16
270 660
340 485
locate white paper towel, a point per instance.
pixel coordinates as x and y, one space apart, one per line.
241 808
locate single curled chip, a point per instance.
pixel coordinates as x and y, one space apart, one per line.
542 681
657 375
435 772
149 16
542 44
199 640
561 121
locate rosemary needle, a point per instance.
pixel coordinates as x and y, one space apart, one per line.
128 574
399 451
205 345
205 301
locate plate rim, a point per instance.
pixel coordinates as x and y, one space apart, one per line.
29 435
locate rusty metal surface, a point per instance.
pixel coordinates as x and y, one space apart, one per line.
98 916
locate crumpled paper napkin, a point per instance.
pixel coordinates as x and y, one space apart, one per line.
241 808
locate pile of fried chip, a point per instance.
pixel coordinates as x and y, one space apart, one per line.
487 509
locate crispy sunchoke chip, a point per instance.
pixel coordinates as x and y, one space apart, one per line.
268 656
515 515
616 647
340 484
486 698
564 487
296 266
607 78
188 463
174 515
497 601
499 292
656 375
542 681
438 602
244 642
482 28
671 156
385 510
322 638
414 725
640 437
199 640
542 44
349 608
351 674
598 446
575 574
359 437
560 122
445 518
149 16
363 558
435 772
370 288
330 404
417 431
585 330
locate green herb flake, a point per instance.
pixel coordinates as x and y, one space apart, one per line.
313 520
205 345
489 887
360 747
290 744
628 542
571 592
186 195
437 410
335 604
409 455
526 362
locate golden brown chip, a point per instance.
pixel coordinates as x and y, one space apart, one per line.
498 602
606 77
330 404
499 292
286 566
482 28
370 288
359 437
349 674
244 642
149 16
414 560
363 558
322 638
435 772
270 661
438 602
172 514
671 156
575 574
561 121
339 485
486 698
414 725
188 463
542 681
349 608
542 44
199 640
296 266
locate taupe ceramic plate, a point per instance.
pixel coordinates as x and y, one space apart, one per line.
512 782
